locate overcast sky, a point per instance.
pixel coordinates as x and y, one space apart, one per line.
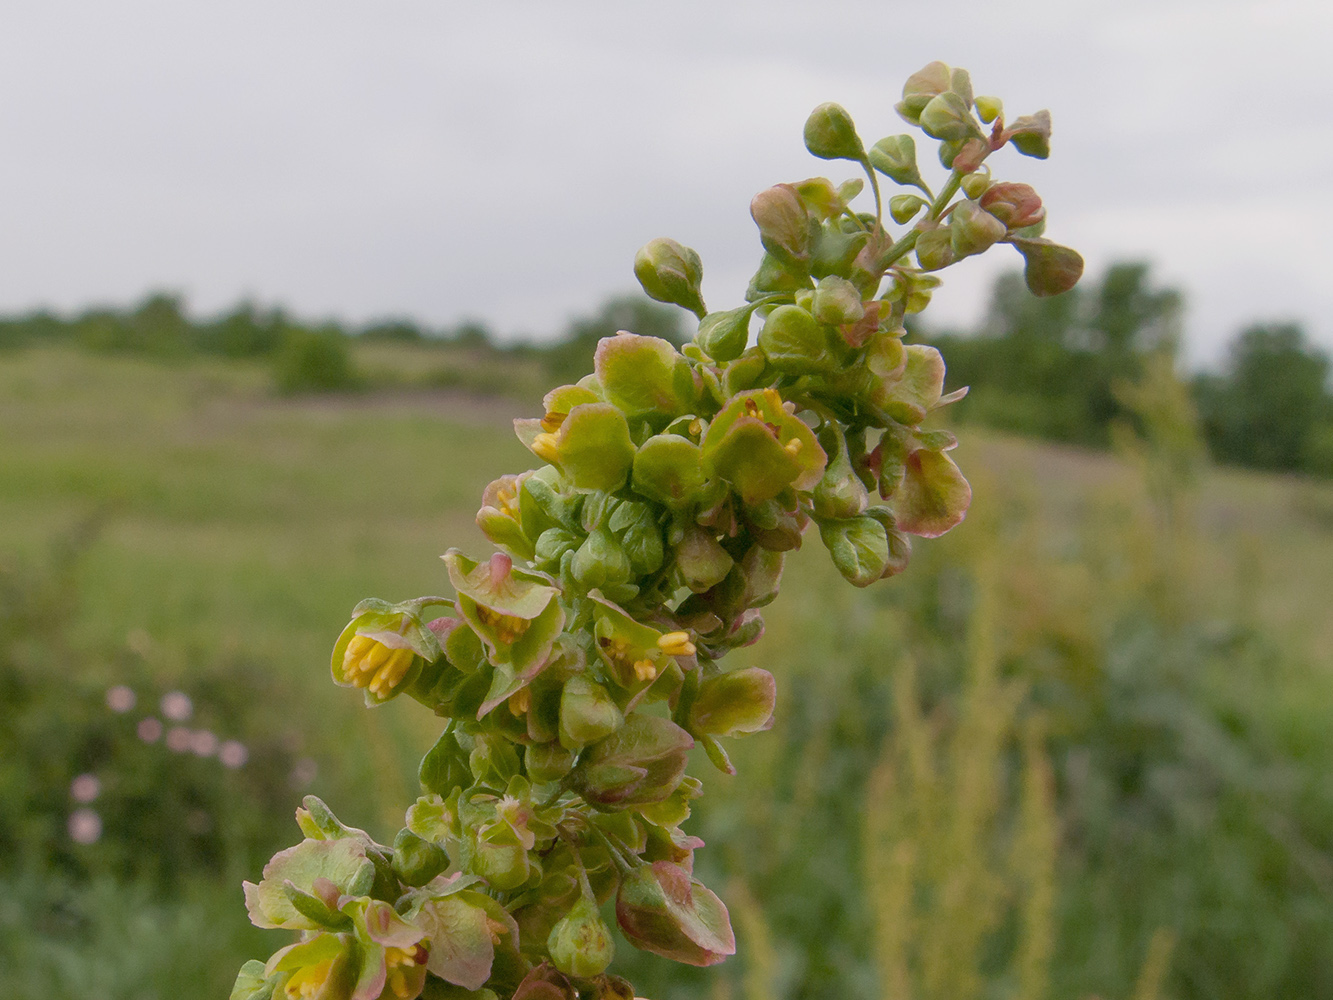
504 160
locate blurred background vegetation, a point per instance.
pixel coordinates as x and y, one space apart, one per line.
1081 749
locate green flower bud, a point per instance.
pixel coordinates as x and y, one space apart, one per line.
836 250
445 766
635 524
921 87
973 230
499 516
934 249
552 545
989 108
723 335
859 547
587 713
1049 269
1031 134
661 908
1016 205
545 762
904 207
702 562
831 135
895 157
975 184
948 119
671 273
545 983
600 561
735 703
503 866
795 342
775 277
416 861
837 302
580 944
785 227
820 197
641 762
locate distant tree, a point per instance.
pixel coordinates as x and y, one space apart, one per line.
571 358
314 361
1263 410
1048 366
245 332
398 331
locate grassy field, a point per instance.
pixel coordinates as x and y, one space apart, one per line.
234 523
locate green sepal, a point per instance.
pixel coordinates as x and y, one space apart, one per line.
644 375
724 335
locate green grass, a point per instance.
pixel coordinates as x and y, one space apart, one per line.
238 524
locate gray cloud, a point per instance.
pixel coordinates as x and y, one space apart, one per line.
505 160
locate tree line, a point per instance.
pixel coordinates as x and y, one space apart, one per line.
1051 368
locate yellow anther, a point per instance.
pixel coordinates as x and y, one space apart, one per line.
306 983
696 427
676 644
546 447
508 628
369 663
519 702
397 962
552 421
792 447
645 670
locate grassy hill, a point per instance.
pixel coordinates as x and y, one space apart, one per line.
232 524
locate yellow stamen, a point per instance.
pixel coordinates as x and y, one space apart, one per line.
645 670
519 702
696 427
793 447
552 421
508 628
307 982
398 961
369 663
546 447
676 644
